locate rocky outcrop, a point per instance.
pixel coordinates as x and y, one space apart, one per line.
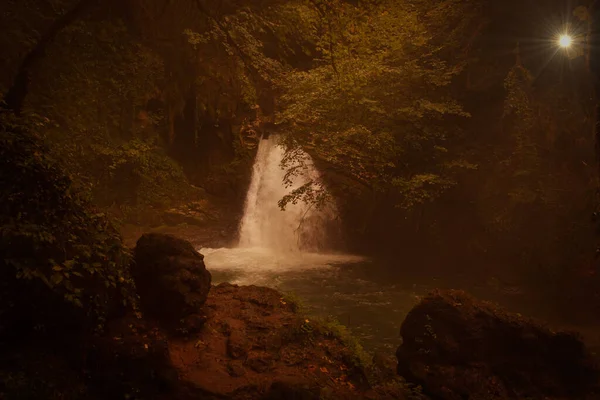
457 347
171 279
198 213
255 346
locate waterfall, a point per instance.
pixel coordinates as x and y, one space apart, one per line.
300 227
275 243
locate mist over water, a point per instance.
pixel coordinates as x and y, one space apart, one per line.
274 241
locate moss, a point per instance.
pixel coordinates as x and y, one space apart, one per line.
310 327
331 328
291 299
398 386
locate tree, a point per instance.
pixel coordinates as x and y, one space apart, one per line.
19 89
378 106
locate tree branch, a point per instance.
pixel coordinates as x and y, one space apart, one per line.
322 10
240 53
19 89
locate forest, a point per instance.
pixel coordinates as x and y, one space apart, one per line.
234 199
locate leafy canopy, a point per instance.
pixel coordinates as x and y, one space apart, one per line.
48 234
377 109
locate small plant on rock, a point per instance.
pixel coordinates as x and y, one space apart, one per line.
358 356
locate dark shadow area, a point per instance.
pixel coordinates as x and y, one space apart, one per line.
337 199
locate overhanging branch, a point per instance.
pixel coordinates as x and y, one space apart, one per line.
15 96
239 52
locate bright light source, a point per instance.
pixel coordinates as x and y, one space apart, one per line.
565 41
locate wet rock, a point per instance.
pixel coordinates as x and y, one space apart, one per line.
282 362
292 390
194 322
171 278
177 217
197 213
226 287
259 361
236 369
384 366
458 347
266 298
237 344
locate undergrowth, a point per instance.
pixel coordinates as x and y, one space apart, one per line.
50 236
295 302
36 374
331 328
355 356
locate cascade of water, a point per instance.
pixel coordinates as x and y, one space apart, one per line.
264 225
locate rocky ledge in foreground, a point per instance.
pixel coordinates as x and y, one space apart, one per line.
458 347
251 343
254 346
197 341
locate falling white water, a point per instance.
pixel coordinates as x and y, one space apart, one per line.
272 241
264 225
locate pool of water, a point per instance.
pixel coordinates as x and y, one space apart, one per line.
351 289
370 297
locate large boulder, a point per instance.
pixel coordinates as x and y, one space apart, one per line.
171 279
458 347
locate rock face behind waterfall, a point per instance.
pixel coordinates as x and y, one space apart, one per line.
457 347
171 279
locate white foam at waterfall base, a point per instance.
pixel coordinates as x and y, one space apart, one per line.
259 266
273 241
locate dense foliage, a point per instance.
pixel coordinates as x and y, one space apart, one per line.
93 87
51 239
443 147
376 106
420 120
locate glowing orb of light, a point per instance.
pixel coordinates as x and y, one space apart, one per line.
565 41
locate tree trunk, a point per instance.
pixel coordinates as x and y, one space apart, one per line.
592 64
15 96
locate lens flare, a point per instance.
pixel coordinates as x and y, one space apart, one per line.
565 41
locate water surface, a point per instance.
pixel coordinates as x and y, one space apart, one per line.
370 297
342 286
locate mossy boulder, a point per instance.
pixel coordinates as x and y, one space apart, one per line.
457 347
171 279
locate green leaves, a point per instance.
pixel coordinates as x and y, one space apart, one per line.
421 188
378 103
57 279
582 13
58 235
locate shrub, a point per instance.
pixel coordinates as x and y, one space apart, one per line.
50 238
